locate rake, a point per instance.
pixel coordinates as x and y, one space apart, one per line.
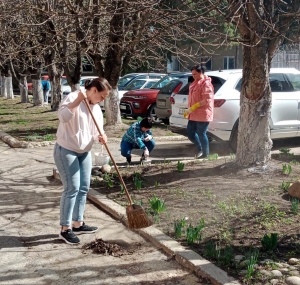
136 216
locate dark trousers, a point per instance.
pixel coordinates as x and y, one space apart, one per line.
127 147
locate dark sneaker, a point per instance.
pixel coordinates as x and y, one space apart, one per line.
128 159
69 237
85 229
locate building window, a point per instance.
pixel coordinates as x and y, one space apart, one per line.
206 60
86 66
228 62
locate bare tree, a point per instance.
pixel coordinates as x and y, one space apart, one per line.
114 34
262 26
118 33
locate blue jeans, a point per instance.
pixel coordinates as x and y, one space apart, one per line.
75 172
46 94
127 147
197 134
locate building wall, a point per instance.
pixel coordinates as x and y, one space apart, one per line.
287 56
224 58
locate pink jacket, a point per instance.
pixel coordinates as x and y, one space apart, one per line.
202 90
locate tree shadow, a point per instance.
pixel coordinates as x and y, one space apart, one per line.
27 241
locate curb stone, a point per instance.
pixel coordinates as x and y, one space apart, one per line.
162 138
187 258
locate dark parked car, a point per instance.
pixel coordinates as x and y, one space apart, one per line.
143 102
163 109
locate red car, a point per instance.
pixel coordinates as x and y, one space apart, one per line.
30 85
142 102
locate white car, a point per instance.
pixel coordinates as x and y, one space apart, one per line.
66 88
137 84
285 112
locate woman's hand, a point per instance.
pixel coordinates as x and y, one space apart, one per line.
102 139
146 152
81 95
74 105
148 138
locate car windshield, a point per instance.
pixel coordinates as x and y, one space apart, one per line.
169 88
123 80
136 84
82 81
64 82
149 84
164 81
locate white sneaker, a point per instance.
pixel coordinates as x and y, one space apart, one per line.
199 154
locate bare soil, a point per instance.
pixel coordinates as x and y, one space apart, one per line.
238 206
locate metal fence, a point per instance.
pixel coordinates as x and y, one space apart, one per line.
287 56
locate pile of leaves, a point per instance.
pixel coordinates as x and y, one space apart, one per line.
99 246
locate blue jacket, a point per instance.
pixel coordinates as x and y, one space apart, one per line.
46 85
136 136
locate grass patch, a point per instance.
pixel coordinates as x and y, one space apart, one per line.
26 122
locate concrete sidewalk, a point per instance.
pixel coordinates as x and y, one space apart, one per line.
32 254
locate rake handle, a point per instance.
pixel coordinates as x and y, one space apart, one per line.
108 151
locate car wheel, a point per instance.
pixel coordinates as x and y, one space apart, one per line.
152 115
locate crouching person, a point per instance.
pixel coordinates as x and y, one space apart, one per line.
138 136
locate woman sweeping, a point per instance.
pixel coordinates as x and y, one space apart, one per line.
200 112
75 137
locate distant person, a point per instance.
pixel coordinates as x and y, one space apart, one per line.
46 88
200 111
76 134
138 136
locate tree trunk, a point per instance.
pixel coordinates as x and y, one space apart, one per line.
23 89
254 143
37 91
56 93
112 109
9 88
3 89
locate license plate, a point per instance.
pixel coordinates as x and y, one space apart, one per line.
122 107
161 103
181 111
